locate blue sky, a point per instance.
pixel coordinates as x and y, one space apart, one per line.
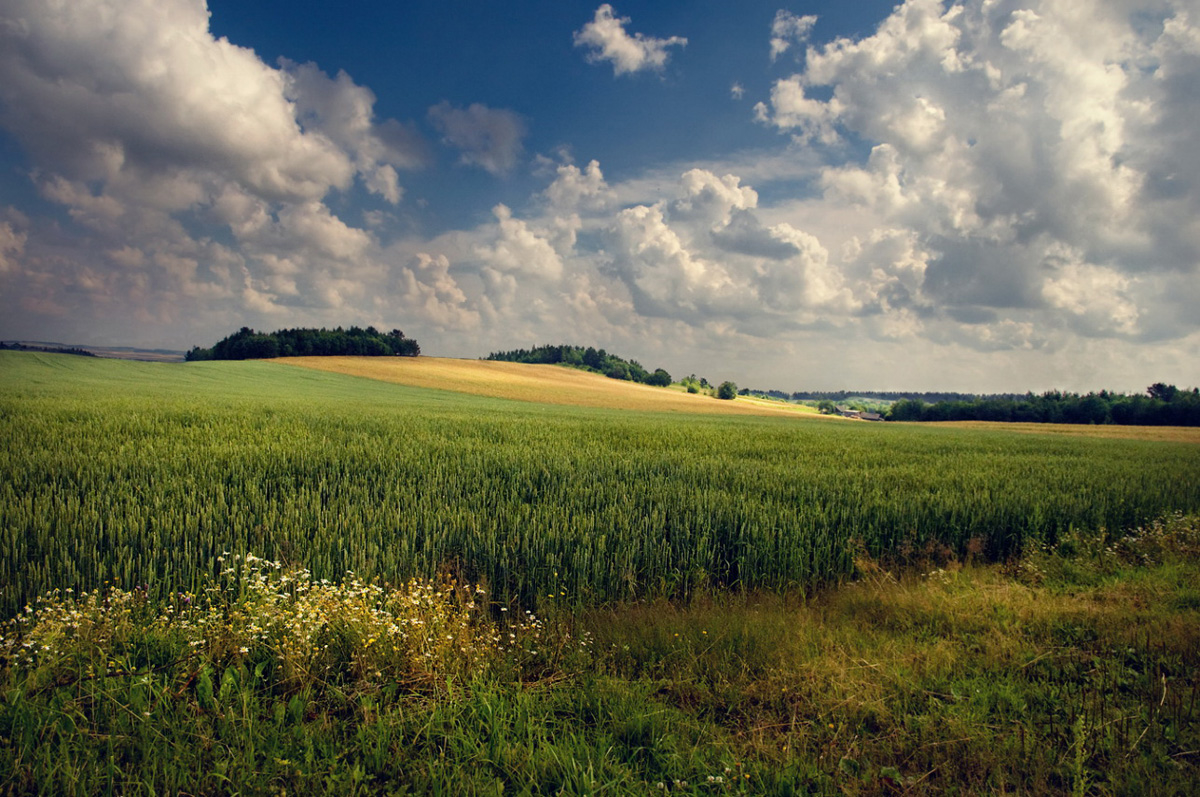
980 196
521 57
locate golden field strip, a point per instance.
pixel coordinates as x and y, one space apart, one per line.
1166 434
544 384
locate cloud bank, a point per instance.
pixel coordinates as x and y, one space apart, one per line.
1028 147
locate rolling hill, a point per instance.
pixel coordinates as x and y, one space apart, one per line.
546 384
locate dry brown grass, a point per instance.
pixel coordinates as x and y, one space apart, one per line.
1175 434
546 384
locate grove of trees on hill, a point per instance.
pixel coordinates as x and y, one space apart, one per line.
246 344
590 359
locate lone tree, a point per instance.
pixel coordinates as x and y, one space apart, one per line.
727 391
660 378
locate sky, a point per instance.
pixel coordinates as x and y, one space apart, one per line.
988 196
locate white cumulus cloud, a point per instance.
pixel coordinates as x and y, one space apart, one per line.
574 188
787 29
706 258
1002 135
344 111
517 249
12 246
606 40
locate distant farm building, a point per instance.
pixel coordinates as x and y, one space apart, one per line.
859 415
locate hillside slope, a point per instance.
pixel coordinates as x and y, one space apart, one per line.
547 384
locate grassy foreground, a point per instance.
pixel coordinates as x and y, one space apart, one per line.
1073 670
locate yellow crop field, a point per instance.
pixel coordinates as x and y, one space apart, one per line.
547 384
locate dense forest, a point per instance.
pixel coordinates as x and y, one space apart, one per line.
590 359
246 344
1161 405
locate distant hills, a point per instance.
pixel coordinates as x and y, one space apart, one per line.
112 352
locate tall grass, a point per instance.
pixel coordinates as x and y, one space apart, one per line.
1075 669
139 474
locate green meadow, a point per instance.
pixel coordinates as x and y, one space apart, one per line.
626 602
143 473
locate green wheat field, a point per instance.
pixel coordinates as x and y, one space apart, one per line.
224 576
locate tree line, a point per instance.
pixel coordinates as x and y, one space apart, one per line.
16 346
1160 405
589 359
842 396
246 344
